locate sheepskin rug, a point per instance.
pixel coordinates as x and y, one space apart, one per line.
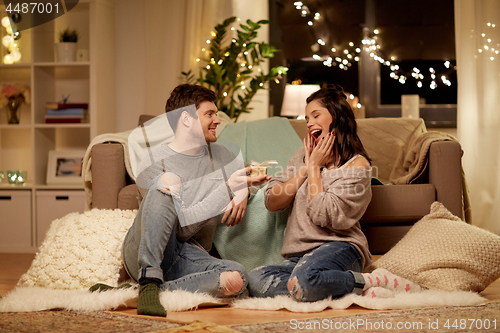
81 250
38 299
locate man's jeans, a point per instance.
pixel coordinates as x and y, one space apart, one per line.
332 269
152 250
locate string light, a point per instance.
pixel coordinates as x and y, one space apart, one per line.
370 44
492 49
11 42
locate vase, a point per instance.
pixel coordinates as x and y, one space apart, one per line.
66 52
12 108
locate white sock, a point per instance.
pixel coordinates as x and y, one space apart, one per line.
385 279
378 292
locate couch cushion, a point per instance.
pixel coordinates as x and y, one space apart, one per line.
128 198
382 238
399 203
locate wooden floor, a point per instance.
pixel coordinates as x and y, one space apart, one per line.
12 266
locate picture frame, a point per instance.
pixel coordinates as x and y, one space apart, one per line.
65 167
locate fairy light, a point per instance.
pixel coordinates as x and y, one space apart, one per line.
328 62
11 42
370 44
489 50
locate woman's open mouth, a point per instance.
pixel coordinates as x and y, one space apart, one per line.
316 134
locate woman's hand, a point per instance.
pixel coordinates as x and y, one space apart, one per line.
308 148
322 153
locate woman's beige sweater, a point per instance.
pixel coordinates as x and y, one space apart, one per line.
332 215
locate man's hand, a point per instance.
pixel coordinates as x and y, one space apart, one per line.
239 179
238 183
236 212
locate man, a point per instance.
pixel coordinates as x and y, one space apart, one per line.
187 188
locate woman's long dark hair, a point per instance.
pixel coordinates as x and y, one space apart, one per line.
347 143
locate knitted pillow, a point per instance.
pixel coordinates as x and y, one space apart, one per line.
442 252
80 250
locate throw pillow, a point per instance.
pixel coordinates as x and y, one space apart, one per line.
80 250
443 252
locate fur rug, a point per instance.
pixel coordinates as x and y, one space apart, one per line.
83 249
25 299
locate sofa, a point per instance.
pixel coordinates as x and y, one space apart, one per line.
412 168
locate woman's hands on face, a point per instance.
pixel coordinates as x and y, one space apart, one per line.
320 154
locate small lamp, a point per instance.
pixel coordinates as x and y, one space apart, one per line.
410 106
294 102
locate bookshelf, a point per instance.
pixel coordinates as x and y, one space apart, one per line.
26 146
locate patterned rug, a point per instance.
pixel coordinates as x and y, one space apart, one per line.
484 318
85 322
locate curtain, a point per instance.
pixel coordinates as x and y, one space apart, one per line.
158 39
477 31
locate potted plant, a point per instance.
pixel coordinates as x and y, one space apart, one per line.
231 68
66 48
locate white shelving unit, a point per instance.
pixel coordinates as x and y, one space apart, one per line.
26 146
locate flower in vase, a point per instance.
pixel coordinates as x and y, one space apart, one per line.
11 92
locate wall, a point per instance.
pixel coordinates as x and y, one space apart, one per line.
157 39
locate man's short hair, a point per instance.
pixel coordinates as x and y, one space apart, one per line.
184 95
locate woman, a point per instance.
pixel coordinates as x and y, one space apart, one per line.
327 182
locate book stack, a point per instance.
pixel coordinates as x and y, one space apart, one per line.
66 113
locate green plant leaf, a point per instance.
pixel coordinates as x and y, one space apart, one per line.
227 76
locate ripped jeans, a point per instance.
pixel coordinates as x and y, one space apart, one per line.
151 250
332 269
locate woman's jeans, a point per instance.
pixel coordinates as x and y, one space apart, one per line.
332 269
152 250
